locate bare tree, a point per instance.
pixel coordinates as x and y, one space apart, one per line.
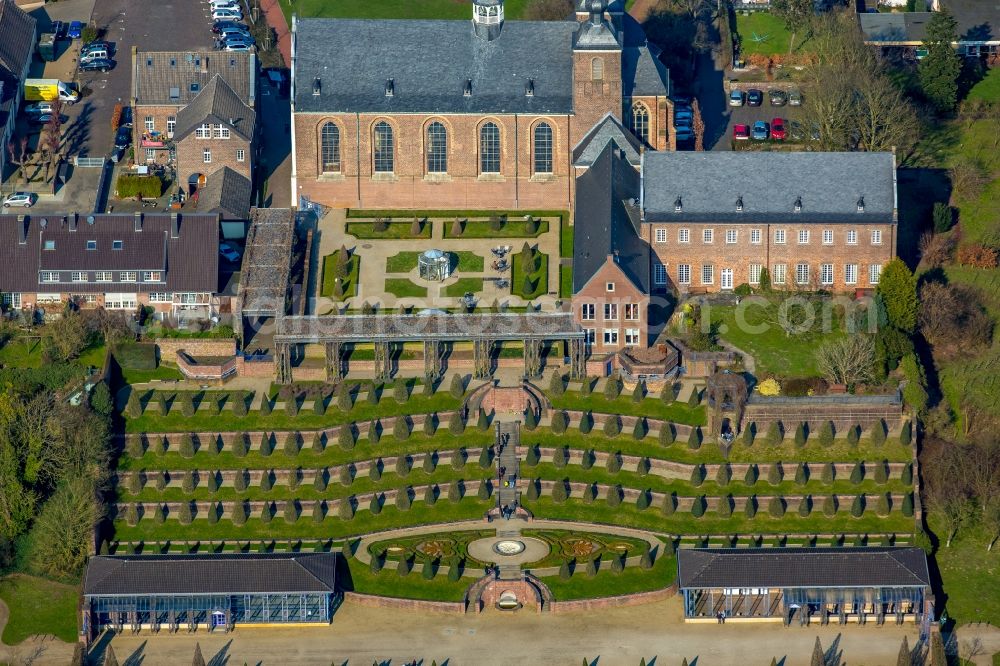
984 482
18 151
883 116
946 489
847 361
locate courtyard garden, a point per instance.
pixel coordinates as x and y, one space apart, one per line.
340 274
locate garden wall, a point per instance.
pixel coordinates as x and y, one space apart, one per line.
845 411
375 601
168 347
614 602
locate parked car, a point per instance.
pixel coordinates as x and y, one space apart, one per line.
97 65
777 97
796 132
229 252
117 154
43 118
227 14
123 137
95 54
38 108
58 29
760 131
741 132
684 134
795 97
754 97
75 29
219 26
97 46
778 131
228 37
235 31
126 119
225 4
736 98
236 47
23 199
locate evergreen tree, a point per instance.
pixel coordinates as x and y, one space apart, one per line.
403 465
776 506
801 474
267 512
698 506
560 457
404 567
373 393
213 481
591 567
240 447
642 467
531 492
265 405
291 447
640 429
532 457
188 483
878 433
240 480
559 422
292 405
266 445
800 435
614 462
805 506
775 474
829 473
484 491
884 504
319 405
186 448
587 386
485 458
749 434
375 470
725 509
377 562
612 425
589 458
238 514
854 435
403 500
907 506
639 392
345 510
614 497
557 384
185 514
401 429
938 657
753 473
750 508
400 391
774 434
346 474
694 438
882 472
559 491
109 657
458 458
646 559
667 435
858 507
940 68
456 424
697 475
375 504
483 421
906 433
266 480
612 387
858 473
565 573
457 388
724 474
642 502
317 443
586 423
455 491
669 505
530 419
830 506
826 433
817 659
430 494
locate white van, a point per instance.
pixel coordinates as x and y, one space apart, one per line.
94 55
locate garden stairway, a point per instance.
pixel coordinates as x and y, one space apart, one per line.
508 439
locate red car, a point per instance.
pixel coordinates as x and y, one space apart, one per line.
778 131
741 132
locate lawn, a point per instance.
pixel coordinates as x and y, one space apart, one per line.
38 606
766 27
565 280
565 241
396 229
404 287
349 284
521 275
22 352
967 570
988 89
650 407
608 584
513 227
470 262
403 262
459 289
162 373
391 9
388 583
775 352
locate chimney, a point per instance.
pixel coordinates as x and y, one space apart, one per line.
22 230
174 225
73 221
137 221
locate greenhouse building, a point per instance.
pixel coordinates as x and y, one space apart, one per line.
210 591
805 584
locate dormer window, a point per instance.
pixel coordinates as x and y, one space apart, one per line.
91 245
798 204
117 245
861 205
317 87
149 62
739 204
678 205
467 91
390 88
529 89
195 87
49 245
175 93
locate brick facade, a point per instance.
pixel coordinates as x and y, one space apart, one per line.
696 253
191 157
595 98
660 110
624 299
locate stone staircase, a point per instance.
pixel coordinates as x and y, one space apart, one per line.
508 460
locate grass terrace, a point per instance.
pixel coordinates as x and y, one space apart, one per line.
524 275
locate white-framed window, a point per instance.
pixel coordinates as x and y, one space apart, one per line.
48 298
85 298
150 155
850 273
120 302
779 236
587 312
611 337
49 245
826 274
150 125
731 236
589 334
707 274
78 276
49 276
755 236
161 297
659 274
874 273
803 236
11 300
852 237
188 298
631 312
778 273
753 276
241 155
801 273
117 244
128 276
609 287
684 273
203 132
661 235
683 235
171 124
631 336
152 276
220 132
876 236
828 237
91 245
610 312
206 156
708 235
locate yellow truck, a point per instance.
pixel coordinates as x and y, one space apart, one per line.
49 90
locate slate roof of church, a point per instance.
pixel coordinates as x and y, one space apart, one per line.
801 567
217 573
429 62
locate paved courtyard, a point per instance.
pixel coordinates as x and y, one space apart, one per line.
606 638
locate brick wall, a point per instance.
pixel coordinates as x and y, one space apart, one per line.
168 347
191 160
375 601
159 116
614 602
661 117
526 594
410 186
595 293
739 255
815 413
592 100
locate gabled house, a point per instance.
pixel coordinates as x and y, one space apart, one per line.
169 262
17 43
978 27
196 111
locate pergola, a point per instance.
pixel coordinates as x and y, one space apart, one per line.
432 329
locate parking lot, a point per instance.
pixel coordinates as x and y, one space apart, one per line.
748 115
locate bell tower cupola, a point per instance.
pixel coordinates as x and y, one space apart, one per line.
487 18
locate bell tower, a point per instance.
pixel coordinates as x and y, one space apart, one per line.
487 18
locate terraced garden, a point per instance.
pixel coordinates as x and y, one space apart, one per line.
223 471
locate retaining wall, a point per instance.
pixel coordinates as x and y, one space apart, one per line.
168 347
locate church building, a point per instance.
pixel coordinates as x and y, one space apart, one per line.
480 114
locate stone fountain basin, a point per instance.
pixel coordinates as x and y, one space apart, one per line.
508 550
